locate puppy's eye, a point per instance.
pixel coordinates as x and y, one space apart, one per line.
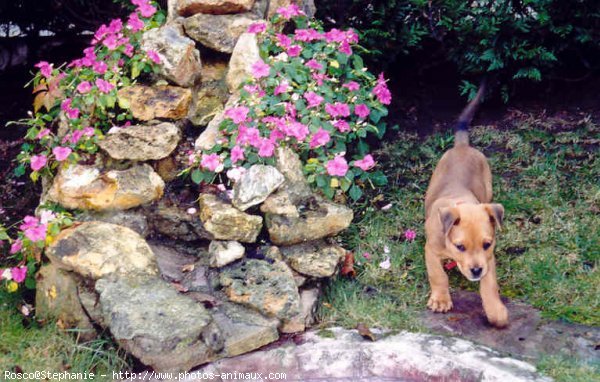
486 246
460 247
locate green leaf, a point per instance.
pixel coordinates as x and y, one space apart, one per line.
197 176
355 192
378 178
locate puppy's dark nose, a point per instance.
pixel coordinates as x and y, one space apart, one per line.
476 272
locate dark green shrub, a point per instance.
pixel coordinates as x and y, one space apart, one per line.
506 40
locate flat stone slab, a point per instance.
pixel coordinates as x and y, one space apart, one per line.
527 336
343 355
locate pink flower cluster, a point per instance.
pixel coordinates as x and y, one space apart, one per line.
16 274
34 229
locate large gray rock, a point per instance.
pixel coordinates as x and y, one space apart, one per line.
340 355
142 142
175 222
291 220
255 186
244 55
88 188
266 287
56 298
133 219
179 59
224 252
288 163
316 258
218 32
216 7
164 329
244 330
95 250
155 102
226 222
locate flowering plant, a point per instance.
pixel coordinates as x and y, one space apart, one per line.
34 233
76 104
312 93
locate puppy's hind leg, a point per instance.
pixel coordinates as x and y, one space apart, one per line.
440 300
494 308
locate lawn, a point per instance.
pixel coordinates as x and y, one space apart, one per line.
546 173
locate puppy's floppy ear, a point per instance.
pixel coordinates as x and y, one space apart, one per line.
449 216
496 212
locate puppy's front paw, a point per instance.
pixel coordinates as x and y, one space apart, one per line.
497 315
440 302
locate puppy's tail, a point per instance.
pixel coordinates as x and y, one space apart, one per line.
461 129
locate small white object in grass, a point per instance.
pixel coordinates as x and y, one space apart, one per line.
191 210
385 264
387 207
386 249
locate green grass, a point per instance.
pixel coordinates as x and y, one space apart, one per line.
546 174
30 347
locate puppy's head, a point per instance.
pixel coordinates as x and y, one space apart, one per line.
469 231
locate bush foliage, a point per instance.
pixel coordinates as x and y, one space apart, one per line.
507 40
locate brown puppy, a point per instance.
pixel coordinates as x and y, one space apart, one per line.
460 223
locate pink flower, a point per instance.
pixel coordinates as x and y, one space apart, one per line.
337 109
89 131
352 86
100 67
19 274
38 161
313 99
410 235
211 162
75 136
16 246
115 26
367 255
362 110
111 42
335 35
128 51
313 64
47 216
45 68
266 148
260 69
237 114
298 131
84 87
320 138
366 163
346 48
33 230
319 77
43 133
341 125
337 166
61 153
294 50
283 40
134 22
307 35
381 91
257 28
289 11
237 154
65 105
153 56
144 7
104 86
73 113
248 136
283 87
